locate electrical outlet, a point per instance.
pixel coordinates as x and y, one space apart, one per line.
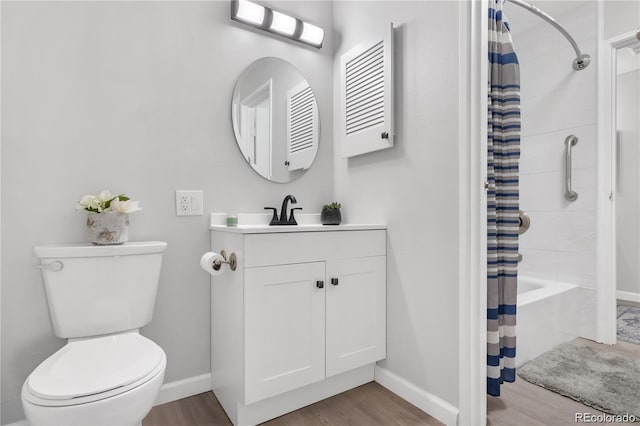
189 203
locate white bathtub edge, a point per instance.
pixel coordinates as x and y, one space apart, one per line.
549 288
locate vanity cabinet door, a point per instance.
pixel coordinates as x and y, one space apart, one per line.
356 313
284 328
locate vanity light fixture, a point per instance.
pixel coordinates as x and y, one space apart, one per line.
276 22
283 24
249 13
311 34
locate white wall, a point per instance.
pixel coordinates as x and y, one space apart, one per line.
628 182
620 16
557 101
133 97
412 187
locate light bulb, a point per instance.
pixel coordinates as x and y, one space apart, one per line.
250 12
312 34
283 24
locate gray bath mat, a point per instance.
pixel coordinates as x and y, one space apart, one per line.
594 376
629 324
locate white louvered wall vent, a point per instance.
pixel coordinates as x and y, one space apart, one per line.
367 96
302 127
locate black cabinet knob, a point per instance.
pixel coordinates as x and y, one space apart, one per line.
320 284
334 281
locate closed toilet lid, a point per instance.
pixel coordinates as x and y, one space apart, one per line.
95 365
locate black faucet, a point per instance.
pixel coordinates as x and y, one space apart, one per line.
283 210
282 220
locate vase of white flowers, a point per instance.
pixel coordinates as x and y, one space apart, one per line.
107 217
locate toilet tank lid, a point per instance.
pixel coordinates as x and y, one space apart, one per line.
89 250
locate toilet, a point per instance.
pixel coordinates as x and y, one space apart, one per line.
107 373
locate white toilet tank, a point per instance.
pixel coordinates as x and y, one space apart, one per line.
96 290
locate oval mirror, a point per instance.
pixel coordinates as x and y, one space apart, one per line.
275 120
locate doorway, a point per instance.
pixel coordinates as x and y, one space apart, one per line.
618 237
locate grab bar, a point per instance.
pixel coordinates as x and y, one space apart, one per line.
569 142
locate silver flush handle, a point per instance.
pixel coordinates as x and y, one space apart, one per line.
55 266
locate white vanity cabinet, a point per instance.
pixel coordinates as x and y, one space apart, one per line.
284 328
302 318
356 313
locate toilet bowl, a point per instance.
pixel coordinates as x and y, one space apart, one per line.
108 380
107 374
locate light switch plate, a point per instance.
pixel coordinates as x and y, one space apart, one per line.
189 203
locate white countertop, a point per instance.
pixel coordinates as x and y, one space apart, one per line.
249 223
266 229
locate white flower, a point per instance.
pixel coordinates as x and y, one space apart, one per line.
106 202
89 202
105 196
128 206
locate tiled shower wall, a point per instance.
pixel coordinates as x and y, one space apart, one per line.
557 101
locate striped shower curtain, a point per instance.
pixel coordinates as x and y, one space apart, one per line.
502 201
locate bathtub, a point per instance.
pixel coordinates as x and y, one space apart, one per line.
548 313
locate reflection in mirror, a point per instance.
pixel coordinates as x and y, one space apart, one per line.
275 119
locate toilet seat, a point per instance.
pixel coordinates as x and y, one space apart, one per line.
91 369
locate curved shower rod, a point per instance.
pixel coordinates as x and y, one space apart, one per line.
582 59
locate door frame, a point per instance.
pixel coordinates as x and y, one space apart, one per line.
263 92
472 145
607 170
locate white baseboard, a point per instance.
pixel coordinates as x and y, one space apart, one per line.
628 296
426 401
179 389
20 423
